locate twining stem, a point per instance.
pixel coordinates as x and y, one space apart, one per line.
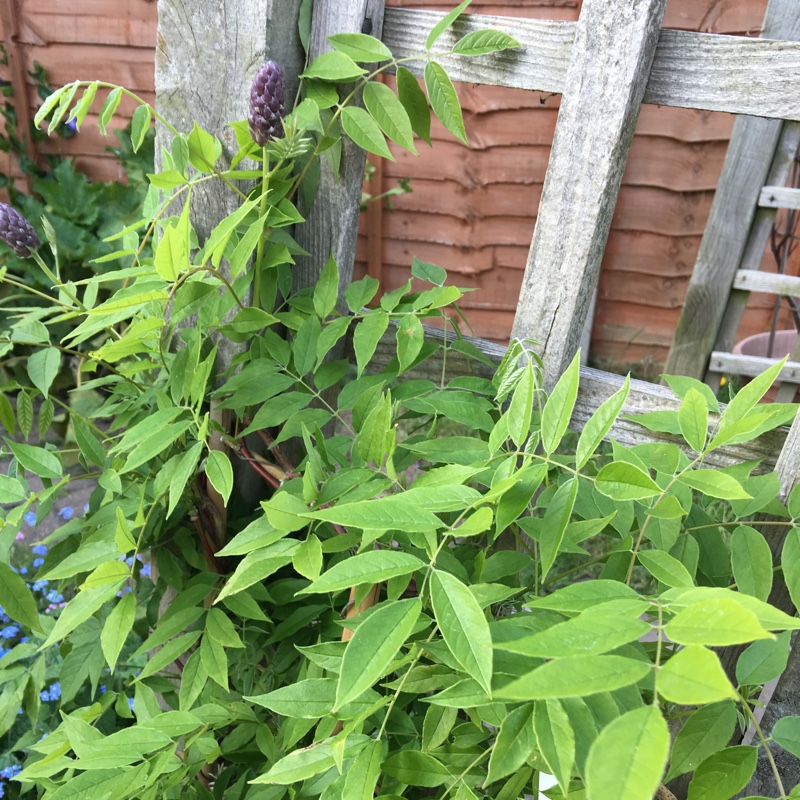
763 740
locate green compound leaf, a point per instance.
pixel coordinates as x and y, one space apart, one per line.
622 481
693 419
714 484
599 424
365 131
723 774
116 629
444 23
375 643
444 100
220 472
786 732
627 759
463 625
716 623
694 676
333 66
374 566
43 367
479 43
360 47
415 103
555 740
16 599
390 114
558 409
514 744
751 560
707 730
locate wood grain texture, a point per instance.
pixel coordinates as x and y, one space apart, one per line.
690 70
746 169
751 366
757 281
611 58
779 197
331 226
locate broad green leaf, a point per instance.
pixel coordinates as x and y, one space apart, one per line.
416 768
428 272
575 676
627 759
366 336
37 460
307 559
694 676
599 424
172 254
90 446
6 414
310 761
12 491
116 629
693 419
220 628
586 594
444 23
374 566
333 66
591 633
558 409
751 560
764 660
365 131
304 699
204 149
723 774
159 440
43 366
16 599
747 397
786 732
622 481
390 114
360 292
385 513
464 450
185 465
24 413
364 772
707 730
555 740
790 562
220 473
168 653
415 103
97 783
717 622
410 338
79 609
476 523
215 660
444 100
371 442
140 125
258 565
360 47
521 407
665 568
436 727
714 484
514 744
478 43
327 289
375 643
680 384
463 626
554 524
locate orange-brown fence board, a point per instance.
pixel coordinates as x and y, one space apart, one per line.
471 210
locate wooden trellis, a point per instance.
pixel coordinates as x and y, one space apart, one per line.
614 58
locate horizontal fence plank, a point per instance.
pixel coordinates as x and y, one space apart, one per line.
779 197
736 74
752 366
753 280
595 387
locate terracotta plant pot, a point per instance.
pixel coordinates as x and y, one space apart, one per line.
758 344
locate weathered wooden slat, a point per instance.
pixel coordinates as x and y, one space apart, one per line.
331 227
611 57
752 366
596 386
747 167
757 281
736 74
779 197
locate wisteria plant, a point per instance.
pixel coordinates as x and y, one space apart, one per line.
437 593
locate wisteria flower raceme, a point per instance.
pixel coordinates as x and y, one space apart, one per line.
17 232
267 103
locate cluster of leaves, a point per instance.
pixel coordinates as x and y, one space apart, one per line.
366 628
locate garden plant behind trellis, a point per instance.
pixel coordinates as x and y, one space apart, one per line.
360 632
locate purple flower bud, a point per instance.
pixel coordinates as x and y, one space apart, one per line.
17 232
267 97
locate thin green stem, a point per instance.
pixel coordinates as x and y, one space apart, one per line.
764 743
262 210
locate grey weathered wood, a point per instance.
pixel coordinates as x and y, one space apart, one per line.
611 57
747 167
756 281
752 366
331 227
595 387
779 197
690 70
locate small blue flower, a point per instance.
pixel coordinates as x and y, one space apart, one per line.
129 561
23 570
39 549
130 703
66 513
54 597
23 640
4 652
72 125
38 586
9 632
145 573
37 562
102 688
85 508
30 518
